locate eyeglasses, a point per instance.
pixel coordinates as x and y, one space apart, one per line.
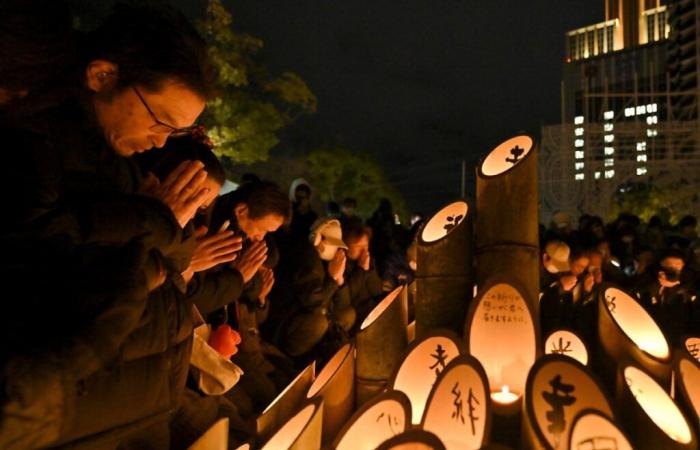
162 127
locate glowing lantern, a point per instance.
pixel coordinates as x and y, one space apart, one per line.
444 269
424 361
501 334
286 403
215 438
692 345
302 431
558 389
593 430
381 418
688 388
411 331
458 409
335 385
567 343
507 233
627 331
413 440
381 342
652 418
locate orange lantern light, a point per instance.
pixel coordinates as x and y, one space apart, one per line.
628 332
413 440
386 415
653 419
594 430
558 389
444 258
419 369
302 431
458 409
335 384
567 343
286 403
687 371
692 346
380 343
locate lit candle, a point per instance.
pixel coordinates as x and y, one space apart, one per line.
504 396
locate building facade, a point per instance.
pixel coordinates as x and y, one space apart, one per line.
629 109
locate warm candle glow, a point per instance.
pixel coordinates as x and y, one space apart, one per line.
636 323
504 396
444 221
563 342
592 430
506 156
690 377
288 434
657 405
379 309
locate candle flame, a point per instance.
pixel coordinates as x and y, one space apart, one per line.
505 389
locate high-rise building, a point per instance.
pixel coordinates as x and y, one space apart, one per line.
629 108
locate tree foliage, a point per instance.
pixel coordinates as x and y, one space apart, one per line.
670 202
254 106
337 173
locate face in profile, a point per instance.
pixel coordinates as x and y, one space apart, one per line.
255 228
134 119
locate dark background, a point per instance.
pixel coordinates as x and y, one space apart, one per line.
421 84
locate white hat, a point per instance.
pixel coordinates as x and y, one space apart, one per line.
329 231
558 253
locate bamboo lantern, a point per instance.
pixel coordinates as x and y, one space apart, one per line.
444 269
692 346
593 430
558 389
381 342
650 414
567 343
411 331
628 332
458 408
687 378
246 446
413 440
507 229
419 369
501 334
215 438
302 432
286 404
335 385
381 418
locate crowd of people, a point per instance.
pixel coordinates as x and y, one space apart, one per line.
141 305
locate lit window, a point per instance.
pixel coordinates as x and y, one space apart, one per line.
607 115
597 175
578 154
652 120
578 143
578 166
641 158
641 170
629 111
578 131
609 173
578 120
609 162
641 146
652 133
609 151
609 137
651 108
578 176
641 109
607 127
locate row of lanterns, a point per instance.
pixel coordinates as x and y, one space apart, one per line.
494 388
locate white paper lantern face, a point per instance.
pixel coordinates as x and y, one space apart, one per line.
560 391
457 409
420 368
657 405
506 156
563 342
636 323
444 221
290 431
690 376
592 431
329 370
692 344
380 422
381 307
502 337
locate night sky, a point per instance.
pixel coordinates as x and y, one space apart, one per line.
421 84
